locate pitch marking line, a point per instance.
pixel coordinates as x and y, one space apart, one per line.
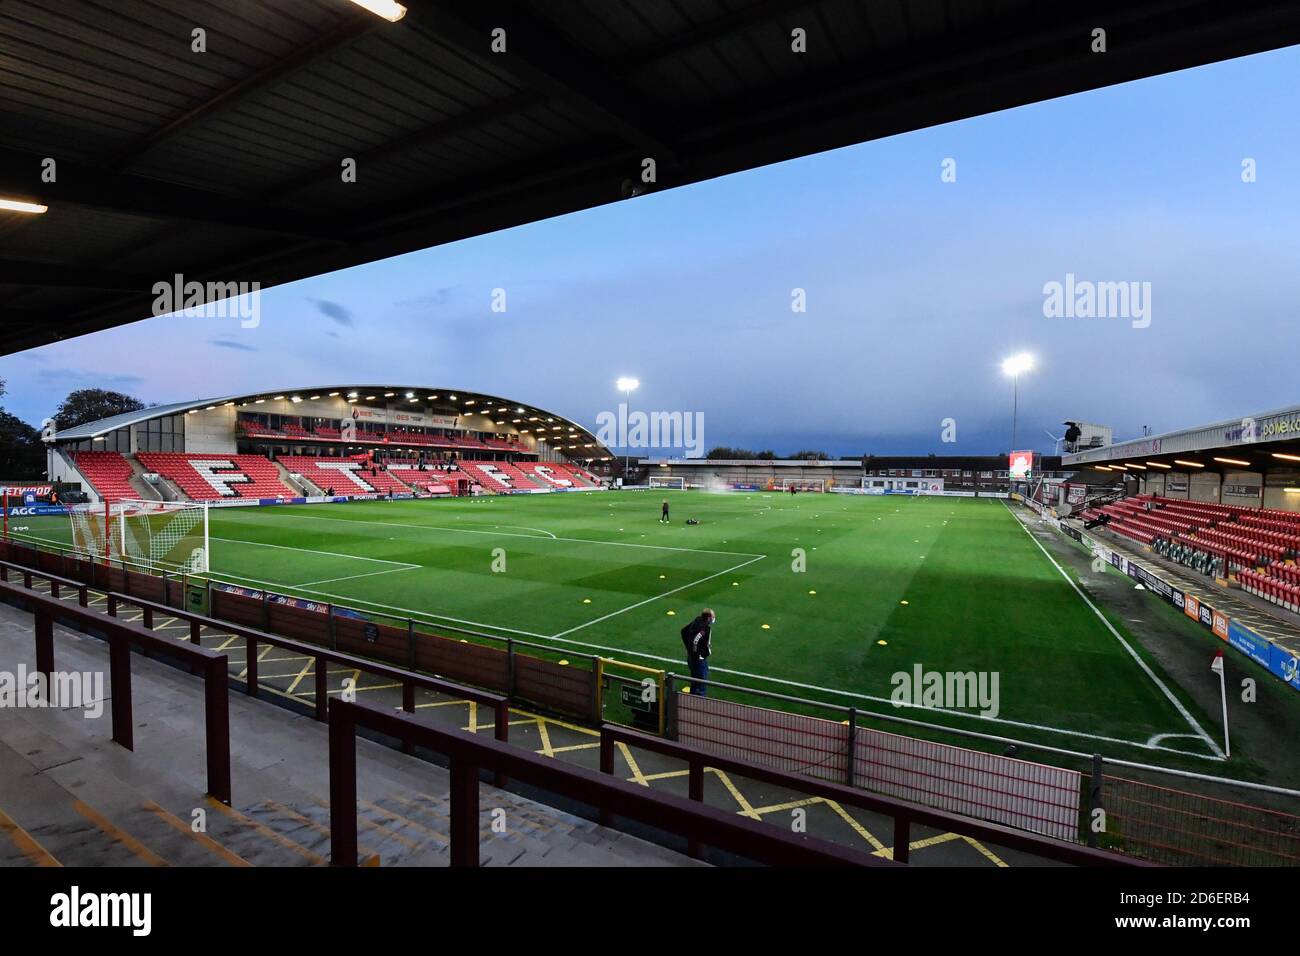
507 534
1191 721
633 607
404 565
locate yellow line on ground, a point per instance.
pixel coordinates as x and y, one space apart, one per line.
997 860
590 746
440 703
315 858
306 668
667 774
26 843
473 717
631 764
545 736
387 832
202 839
851 821
115 832
745 809
261 654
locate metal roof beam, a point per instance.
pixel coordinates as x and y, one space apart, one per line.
540 57
84 185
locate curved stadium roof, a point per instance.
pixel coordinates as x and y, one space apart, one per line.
440 401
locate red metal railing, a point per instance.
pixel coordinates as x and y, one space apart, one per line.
121 637
469 754
904 814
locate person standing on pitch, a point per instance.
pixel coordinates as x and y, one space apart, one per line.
696 636
663 517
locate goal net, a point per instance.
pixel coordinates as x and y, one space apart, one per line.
158 535
801 484
668 481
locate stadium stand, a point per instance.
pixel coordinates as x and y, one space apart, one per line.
1241 538
347 476
499 476
214 477
108 472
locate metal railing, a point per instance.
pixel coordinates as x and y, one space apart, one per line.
903 813
469 754
121 637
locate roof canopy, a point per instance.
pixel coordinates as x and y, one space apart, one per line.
560 431
226 165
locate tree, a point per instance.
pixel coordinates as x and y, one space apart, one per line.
811 455
22 455
91 404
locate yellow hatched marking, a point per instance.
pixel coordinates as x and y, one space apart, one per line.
566 749
202 839
745 809
306 669
632 765
115 832
992 857
261 654
545 737
26 842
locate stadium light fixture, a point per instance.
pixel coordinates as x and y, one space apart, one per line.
626 384
1015 366
1278 454
1233 461
1189 464
390 10
1157 464
1289 491
1129 464
389 394
451 397
17 205
1102 467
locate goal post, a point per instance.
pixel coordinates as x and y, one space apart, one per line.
157 535
676 482
801 484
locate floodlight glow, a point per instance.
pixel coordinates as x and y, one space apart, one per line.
628 384
17 205
388 9
1233 461
1017 364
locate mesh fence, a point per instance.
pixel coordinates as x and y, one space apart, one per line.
1187 829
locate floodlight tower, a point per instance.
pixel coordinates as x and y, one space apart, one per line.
627 386
1015 366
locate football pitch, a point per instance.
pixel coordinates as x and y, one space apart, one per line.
823 597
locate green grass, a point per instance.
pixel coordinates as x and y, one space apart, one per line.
597 573
951 584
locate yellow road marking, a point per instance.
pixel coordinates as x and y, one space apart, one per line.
745 809
115 832
632 764
26 842
545 737
306 668
203 839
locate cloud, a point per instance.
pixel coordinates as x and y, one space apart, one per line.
437 297
231 344
81 377
334 312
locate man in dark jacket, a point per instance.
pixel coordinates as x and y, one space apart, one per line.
695 636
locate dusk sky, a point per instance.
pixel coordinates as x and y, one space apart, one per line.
916 288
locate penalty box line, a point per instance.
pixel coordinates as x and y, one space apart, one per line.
507 534
1146 669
